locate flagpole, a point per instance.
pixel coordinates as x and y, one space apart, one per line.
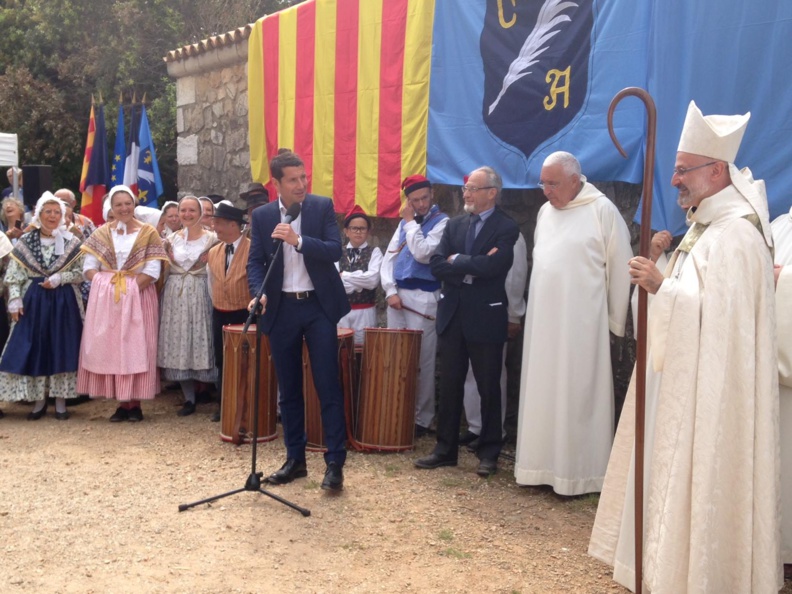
641 354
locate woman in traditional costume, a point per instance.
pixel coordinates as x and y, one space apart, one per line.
186 352
43 280
169 222
118 357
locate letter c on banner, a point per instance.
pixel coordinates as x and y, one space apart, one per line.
513 19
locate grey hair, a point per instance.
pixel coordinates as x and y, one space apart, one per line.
67 192
568 161
12 199
493 179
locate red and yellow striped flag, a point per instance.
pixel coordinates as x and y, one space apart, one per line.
345 84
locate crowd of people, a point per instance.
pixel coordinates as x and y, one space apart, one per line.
161 293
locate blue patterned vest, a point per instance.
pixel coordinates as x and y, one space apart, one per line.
409 273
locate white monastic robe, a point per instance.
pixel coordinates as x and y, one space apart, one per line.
580 288
711 483
782 240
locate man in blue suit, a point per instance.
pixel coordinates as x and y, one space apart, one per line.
304 299
472 261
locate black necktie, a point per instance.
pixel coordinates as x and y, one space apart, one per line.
353 254
229 253
471 234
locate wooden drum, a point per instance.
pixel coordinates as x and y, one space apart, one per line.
389 379
239 377
313 411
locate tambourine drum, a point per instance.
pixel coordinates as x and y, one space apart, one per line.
313 411
239 377
388 383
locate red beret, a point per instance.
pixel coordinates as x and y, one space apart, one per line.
355 213
415 182
465 179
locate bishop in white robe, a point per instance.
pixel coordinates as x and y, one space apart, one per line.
711 514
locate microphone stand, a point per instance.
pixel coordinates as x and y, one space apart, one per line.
253 482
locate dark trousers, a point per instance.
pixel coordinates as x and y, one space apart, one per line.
220 319
306 319
486 359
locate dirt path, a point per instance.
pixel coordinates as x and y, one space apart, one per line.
89 506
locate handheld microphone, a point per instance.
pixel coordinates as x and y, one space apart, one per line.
291 213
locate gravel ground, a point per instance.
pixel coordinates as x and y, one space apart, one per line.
90 506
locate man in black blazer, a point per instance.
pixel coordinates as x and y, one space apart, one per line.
304 299
472 261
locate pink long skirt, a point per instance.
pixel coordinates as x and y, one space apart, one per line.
118 354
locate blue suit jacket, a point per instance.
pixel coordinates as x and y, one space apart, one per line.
321 248
482 304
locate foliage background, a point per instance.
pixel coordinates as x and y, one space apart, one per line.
56 54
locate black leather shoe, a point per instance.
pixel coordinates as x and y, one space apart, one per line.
473 445
215 418
421 431
121 414
186 410
62 416
487 467
467 437
333 478
36 415
291 470
135 415
434 461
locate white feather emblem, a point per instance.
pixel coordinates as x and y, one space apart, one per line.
544 30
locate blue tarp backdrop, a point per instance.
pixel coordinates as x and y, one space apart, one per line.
514 80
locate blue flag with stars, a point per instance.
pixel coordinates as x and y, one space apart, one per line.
149 181
119 152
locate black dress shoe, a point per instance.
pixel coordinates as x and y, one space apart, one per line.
62 416
467 437
487 467
421 431
434 461
135 415
291 470
121 414
473 445
36 415
215 416
186 410
333 478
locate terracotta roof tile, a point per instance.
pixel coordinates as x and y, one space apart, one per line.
229 38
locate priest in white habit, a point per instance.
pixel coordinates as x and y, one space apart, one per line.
579 293
782 238
711 482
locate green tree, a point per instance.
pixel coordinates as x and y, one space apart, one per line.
56 54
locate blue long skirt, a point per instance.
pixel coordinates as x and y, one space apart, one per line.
46 339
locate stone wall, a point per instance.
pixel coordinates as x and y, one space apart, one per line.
212 125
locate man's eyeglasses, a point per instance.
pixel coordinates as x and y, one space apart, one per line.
549 185
357 229
472 189
680 171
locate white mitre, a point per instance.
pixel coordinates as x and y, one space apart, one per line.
718 137
714 136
